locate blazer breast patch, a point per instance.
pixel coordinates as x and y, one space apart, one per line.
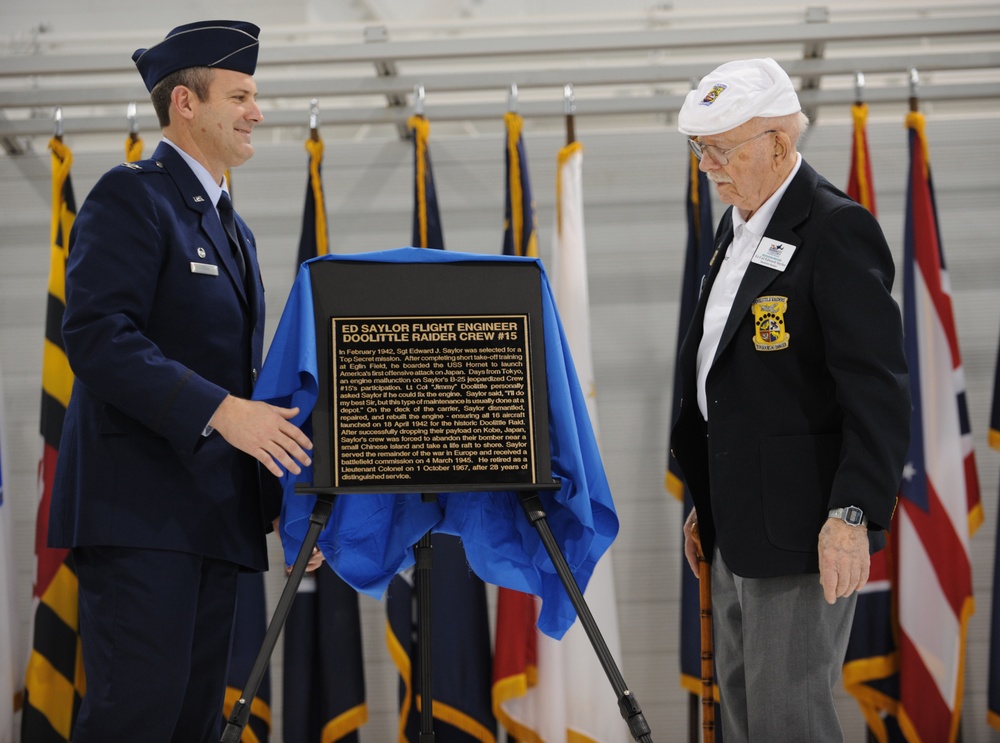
769 323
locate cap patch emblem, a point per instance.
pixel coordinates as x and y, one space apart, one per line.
713 94
769 323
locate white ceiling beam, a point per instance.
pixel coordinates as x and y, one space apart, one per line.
700 39
653 103
69 94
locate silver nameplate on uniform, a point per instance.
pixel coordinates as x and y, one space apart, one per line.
204 268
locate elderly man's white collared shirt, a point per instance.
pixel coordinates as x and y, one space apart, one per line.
746 237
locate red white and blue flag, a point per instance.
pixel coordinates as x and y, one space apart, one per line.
919 697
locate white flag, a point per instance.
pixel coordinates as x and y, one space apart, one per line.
572 698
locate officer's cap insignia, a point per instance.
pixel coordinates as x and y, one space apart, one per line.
769 323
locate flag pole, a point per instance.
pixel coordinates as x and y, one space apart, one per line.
314 120
569 108
133 125
914 82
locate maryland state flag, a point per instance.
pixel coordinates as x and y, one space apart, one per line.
939 506
546 689
54 681
460 630
700 241
993 707
323 677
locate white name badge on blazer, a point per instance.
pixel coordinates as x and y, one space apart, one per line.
773 254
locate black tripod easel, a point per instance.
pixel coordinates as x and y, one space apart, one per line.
505 290
531 503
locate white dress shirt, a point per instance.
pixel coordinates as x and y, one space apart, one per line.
746 237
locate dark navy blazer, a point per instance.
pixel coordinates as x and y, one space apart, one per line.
802 423
158 329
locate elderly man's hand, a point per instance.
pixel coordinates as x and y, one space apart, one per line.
843 559
692 541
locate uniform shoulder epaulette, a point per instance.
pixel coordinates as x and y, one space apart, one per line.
144 166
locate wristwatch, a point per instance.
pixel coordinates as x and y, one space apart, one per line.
852 515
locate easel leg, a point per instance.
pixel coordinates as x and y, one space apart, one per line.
627 703
240 715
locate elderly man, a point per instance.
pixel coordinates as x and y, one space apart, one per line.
794 419
162 488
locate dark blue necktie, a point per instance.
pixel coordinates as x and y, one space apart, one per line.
225 207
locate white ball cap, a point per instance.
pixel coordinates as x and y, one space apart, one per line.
735 93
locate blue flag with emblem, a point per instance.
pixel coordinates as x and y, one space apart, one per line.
700 242
460 632
993 707
323 675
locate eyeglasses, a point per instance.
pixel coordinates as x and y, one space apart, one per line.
719 155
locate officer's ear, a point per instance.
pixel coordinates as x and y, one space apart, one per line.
183 101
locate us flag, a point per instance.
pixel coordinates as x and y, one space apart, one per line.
939 506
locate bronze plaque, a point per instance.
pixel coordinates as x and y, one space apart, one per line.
431 400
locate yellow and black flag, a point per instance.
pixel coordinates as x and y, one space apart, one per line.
520 234
54 681
324 675
426 218
859 180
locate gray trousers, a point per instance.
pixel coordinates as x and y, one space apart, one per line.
779 649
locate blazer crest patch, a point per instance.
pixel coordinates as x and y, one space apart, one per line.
769 323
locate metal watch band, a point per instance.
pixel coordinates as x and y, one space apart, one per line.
851 515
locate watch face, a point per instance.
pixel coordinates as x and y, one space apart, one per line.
853 515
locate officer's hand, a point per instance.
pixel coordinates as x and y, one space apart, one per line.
265 432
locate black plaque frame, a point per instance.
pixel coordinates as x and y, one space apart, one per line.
415 290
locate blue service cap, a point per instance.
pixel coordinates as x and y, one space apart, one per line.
230 45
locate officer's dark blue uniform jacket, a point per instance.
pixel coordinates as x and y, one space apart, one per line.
158 329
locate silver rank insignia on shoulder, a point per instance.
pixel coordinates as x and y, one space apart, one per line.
133 166
769 323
